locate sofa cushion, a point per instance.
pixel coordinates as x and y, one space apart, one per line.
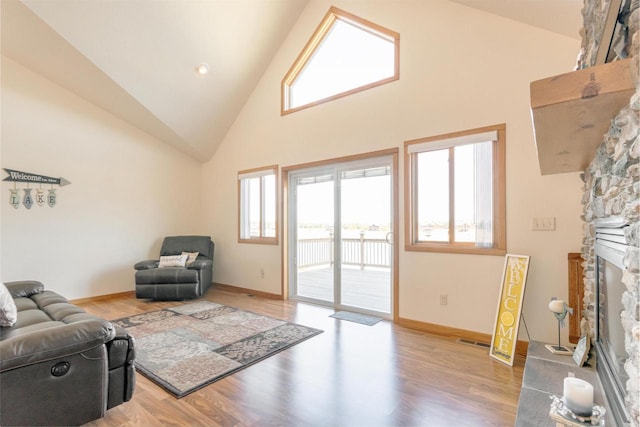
8 309
44 310
62 311
170 275
24 288
24 304
31 317
26 328
46 298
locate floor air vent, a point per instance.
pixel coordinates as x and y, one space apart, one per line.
475 343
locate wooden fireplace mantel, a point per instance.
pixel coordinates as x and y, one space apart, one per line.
571 112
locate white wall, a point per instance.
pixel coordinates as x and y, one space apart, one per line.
459 69
128 190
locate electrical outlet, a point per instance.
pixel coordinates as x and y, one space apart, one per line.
443 299
262 273
543 223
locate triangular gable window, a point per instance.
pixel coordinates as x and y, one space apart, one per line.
345 55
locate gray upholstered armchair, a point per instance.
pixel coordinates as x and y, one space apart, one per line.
155 280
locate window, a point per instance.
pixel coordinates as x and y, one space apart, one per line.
345 55
257 195
455 192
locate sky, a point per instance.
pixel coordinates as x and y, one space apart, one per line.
364 200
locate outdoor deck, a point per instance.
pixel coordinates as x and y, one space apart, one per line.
369 289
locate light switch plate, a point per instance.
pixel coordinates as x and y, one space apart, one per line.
544 223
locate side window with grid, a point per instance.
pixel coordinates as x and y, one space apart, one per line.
455 192
257 205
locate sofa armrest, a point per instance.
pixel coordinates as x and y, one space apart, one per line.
122 372
121 349
54 342
146 264
24 288
200 264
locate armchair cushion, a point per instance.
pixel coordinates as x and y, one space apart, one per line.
175 245
191 256
173 261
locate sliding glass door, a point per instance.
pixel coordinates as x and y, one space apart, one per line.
340 235
365 225
314 235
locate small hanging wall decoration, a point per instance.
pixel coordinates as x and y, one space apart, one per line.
40 196
51 199
32 178
14 199
27 200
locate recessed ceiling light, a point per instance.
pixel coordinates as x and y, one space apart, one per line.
202 69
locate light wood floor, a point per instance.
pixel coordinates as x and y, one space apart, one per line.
350 375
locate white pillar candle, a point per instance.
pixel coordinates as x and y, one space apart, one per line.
557 306
578 396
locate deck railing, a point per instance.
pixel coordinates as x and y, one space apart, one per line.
363 252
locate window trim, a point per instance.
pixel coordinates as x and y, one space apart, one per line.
316 40
499 197
255 173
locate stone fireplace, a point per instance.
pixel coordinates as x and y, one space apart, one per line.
612 189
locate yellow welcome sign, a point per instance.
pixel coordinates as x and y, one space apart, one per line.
505 333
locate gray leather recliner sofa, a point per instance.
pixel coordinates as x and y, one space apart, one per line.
58 364
177 283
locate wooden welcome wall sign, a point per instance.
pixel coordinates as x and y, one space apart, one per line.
505 332
31 178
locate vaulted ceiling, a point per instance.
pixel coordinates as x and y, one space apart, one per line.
559 16
137 58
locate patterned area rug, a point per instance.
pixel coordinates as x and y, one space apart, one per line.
356 317
187 347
